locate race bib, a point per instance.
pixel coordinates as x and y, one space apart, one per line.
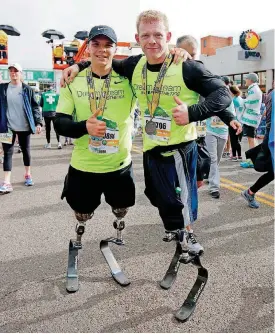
201 128
216 122
109 143
6 138
163 124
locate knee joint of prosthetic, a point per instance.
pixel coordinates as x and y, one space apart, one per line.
81 222
118 224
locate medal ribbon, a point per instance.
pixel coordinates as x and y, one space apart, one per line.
103 94
152 106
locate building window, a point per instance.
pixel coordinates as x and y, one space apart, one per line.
238 79
243 80
44 84
262 78
231 77
204 43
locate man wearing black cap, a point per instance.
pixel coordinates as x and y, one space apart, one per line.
101 101
101 160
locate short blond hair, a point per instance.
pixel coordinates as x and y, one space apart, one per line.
152 15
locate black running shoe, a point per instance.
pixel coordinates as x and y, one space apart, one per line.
215 194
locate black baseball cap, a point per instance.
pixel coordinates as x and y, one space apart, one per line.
103 30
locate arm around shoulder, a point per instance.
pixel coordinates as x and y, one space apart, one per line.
211 87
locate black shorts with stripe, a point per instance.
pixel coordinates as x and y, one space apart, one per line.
163 174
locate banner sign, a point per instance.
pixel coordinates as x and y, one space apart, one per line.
30 75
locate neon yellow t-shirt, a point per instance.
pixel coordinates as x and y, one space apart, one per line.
115 150
168 132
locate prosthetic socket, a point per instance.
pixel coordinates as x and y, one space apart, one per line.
83 217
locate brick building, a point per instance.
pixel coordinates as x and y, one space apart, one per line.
209 44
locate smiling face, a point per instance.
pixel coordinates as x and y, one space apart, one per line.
153 38
102 51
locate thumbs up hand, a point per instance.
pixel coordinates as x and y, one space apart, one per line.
94 126
180 112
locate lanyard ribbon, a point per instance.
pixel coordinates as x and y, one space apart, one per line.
103 94
152 106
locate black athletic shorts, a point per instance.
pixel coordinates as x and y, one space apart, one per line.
249 131
83 190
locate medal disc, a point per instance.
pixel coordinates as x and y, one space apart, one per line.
151 128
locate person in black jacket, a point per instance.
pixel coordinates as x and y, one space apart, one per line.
19 116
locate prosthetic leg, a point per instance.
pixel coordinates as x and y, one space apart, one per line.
119 225
72 284
183 256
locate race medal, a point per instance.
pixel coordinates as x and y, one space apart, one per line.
151 128
97 144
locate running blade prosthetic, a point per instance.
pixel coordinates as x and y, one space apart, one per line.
116 271
189 305
72 284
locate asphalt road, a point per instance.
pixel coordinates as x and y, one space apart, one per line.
36 227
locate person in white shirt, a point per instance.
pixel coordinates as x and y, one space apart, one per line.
251 116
